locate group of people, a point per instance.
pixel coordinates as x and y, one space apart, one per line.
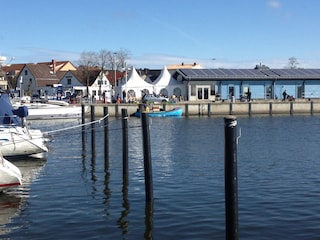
287 96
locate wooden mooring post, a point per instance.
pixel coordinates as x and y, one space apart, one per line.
231 178
93 137
125 168
147 157
83 121
106 137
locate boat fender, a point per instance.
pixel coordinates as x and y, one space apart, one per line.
21 112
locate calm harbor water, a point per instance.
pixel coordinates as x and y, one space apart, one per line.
70 195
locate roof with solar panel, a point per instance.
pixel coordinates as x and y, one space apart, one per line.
250 73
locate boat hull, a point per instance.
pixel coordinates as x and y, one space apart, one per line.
19 141
10 175
176 112
53 112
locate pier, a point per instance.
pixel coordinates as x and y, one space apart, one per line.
222 108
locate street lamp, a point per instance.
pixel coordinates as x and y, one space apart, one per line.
100 83
114 68
21 81
126 93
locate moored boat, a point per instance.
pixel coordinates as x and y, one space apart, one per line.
46 111
176 112
10 175
52 110
16 138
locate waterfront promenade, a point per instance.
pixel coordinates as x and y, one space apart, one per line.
271 107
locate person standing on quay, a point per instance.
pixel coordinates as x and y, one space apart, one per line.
249 95
284 94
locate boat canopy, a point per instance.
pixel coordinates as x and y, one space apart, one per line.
8 115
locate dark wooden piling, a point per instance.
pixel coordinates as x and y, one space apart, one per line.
147 157
83 121
230 108
148 234
92 119
116 111
186 109
125 164
106 137
141 108
231 178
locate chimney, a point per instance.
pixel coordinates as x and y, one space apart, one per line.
54 65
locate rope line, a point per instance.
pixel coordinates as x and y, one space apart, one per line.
80 125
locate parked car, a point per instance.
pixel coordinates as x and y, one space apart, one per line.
38 99
154 98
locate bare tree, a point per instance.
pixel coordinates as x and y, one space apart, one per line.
122 56
117 61
293 63
102 60
114 60
87 60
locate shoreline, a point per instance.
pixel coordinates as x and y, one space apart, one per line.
255 107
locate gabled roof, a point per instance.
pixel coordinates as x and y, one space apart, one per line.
110 74
42 74
13 69
59 65
149 75
81 75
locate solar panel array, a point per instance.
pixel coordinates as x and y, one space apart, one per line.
250 73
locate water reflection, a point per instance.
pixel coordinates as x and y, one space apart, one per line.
122 221
107 191
9 207
14 199
148 220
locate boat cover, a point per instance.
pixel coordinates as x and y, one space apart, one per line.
7 114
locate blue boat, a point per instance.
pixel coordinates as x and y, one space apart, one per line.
176 112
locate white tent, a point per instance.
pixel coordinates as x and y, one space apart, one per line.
134 86
165 84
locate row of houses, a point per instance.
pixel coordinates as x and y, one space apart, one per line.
187 82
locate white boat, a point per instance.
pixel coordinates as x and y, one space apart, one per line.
20 141
10 175
13 200
52 110
16 138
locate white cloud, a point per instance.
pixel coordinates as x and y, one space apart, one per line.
274 4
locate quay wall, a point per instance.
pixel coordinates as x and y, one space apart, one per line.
219 108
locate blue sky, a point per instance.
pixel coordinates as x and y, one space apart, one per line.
237 34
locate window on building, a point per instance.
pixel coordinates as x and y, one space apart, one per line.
25 72
69 81
212 89
205 93
193 90
231 91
